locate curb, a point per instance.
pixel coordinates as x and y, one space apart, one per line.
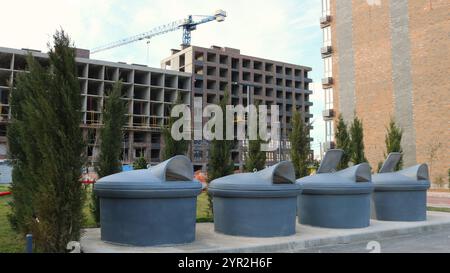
333 240
307 237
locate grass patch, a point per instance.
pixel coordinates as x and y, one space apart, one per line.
10 241
89 221
203 214
438 209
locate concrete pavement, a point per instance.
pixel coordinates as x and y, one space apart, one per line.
438 199
306 237
424 242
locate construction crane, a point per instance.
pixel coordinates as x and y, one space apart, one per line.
188 24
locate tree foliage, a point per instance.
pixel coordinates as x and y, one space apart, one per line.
343 142
140 163
111 137
220 162
393 141
46 150
300 145
173 147
255 158
357 142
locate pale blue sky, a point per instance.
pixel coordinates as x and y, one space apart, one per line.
285 30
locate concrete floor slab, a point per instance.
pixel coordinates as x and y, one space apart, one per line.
306 237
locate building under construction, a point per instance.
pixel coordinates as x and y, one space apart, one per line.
249 80
149 92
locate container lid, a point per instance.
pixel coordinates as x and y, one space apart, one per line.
353 180
330 161
412 178
275 181
171 178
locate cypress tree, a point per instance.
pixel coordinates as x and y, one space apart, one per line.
343 142
46 148
357 142
393 141
300 146
140 163
19 143
220 163
255 158
173 147
111 137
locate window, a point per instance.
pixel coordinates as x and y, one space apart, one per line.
327 65
326 7
328 98
198 155
269 156
329 134
326 36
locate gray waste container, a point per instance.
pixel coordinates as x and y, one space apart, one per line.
149 207
259 204
401 195
336 199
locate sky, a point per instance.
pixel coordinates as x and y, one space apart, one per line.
283 30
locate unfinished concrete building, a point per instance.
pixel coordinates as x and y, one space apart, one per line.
149 93
269 82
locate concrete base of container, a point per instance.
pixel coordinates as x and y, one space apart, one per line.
305 238
399 205
147 222
243 217
334 211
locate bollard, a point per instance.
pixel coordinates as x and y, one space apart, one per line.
29 242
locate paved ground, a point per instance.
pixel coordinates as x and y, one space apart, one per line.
438 199
306 237
426 242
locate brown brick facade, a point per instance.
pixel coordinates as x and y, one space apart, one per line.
376 96
430 58
373 83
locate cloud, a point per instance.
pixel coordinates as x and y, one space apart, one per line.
272 29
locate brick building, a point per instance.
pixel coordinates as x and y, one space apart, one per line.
386 59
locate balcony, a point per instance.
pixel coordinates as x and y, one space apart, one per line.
328 145
327 81
326 51
325 21
328 113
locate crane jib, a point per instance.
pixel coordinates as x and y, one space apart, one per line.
188 25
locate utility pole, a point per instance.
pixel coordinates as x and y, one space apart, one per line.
241 142
321 150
